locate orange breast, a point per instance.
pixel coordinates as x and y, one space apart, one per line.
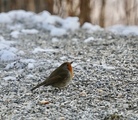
70 69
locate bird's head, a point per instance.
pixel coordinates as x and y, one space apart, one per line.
67 65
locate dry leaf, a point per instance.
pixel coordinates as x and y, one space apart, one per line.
44 102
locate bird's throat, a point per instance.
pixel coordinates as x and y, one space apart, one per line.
71 70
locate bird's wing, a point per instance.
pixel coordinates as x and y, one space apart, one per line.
55 79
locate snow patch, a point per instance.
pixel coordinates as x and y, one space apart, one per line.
91 28
30 76
15 34
27 60
9 78
63 57
6 55
4 18
55 40
123 30
30 66
29 31
89 39
58 32
21 52
7 52
71 23
105 66
37 50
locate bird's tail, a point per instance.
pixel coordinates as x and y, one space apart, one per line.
37 86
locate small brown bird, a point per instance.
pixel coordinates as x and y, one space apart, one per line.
60 77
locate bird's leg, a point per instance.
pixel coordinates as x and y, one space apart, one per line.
56 90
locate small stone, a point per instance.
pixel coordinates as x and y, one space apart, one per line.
61 118
100 90
44 102
83 94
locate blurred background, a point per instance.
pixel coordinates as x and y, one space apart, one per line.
98 12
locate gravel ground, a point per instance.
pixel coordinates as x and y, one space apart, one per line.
104 87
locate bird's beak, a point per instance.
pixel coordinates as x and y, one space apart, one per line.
71 62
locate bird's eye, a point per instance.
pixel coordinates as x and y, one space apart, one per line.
67 65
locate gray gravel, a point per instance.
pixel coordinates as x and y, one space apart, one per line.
105 85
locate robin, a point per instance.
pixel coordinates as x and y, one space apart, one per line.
60 77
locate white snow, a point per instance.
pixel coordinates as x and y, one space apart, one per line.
89 39
13 49
105 66
30 65
10 65
21 52
75 40
20 64
15 27
53 20
55 40
58 32
30 76
4 18
7 52
29 31
4 43
124 30
15 34
55 24
37 50
41 17
27 60
63 57
9 78
71 23
20 15
91 28
6 55
58 26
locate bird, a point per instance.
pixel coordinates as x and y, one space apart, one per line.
60 77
